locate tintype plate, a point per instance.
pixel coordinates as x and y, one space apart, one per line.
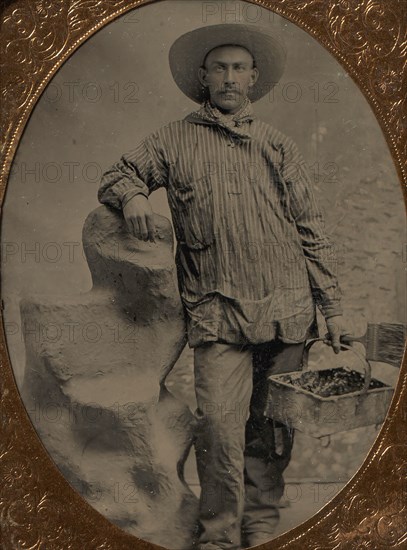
79 79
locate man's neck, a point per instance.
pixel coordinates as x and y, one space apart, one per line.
229 114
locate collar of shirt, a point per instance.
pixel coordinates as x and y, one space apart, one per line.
208 114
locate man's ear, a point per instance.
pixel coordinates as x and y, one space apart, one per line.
255 76
202 72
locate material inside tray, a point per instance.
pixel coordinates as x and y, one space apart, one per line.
330 382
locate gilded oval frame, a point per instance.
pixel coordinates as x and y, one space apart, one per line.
38 508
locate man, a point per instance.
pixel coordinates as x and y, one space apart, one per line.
252 258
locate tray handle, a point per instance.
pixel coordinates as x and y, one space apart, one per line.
366 365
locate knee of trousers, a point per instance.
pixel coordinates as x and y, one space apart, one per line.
221 440
219 420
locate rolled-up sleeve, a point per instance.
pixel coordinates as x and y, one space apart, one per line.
319 251
141 171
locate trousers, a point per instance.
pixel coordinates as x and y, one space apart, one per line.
240 466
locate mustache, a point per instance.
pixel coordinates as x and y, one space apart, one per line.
226 89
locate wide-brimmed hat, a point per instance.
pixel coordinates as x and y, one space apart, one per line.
189 50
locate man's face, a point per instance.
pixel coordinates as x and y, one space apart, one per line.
228 74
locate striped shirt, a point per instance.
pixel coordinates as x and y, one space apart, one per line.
253 259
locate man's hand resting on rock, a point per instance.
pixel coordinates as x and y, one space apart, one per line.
139 217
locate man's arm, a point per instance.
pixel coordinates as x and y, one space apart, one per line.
128 184
318 250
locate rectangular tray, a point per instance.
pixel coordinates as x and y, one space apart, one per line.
320 416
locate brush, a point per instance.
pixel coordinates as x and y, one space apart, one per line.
384 342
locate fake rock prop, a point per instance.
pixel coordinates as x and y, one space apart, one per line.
94 383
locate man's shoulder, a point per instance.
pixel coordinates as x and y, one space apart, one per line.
169 131
273 135
267 130
173 126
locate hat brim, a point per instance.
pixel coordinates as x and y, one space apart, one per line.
189 50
